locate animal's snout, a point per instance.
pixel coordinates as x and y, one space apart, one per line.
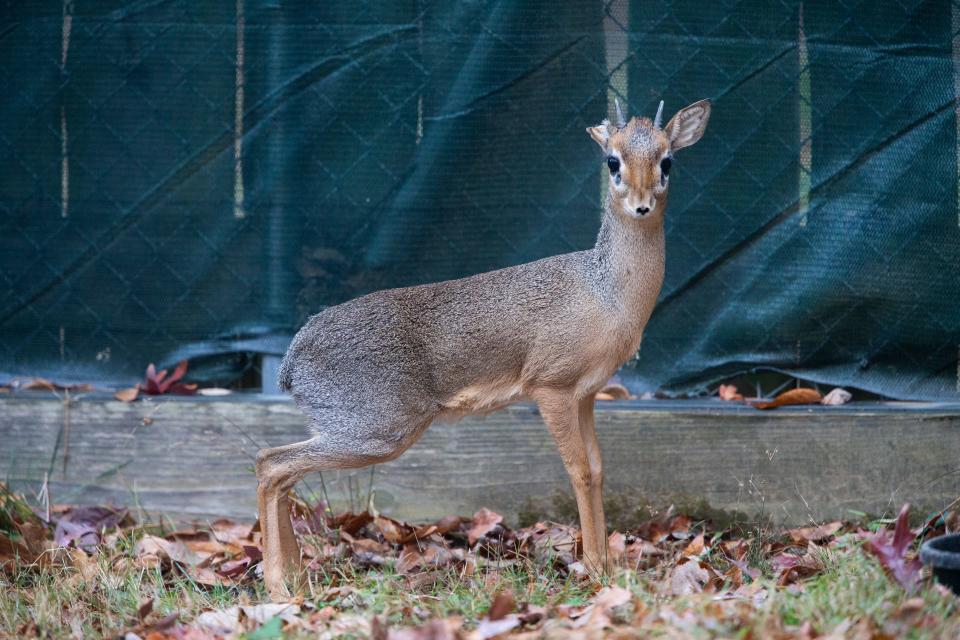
643 210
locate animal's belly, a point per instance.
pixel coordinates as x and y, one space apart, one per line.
484 397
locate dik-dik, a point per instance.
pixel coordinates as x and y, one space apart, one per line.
373 373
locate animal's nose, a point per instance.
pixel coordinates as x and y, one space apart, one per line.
642 210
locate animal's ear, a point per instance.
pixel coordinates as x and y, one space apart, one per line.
600 133
687 126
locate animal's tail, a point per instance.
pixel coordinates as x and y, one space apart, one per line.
285 372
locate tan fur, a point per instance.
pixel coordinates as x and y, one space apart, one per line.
373 373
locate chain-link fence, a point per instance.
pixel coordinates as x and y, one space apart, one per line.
192 179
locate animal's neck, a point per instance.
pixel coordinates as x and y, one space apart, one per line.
628 262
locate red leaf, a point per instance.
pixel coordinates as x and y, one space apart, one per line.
178 372
892 551
158 383
152 381
182 389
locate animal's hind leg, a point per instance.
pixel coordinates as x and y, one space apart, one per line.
278 470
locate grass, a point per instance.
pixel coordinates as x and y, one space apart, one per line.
75 595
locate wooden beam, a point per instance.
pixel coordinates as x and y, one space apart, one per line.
193 457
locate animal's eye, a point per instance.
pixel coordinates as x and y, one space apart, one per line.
665 166
614 164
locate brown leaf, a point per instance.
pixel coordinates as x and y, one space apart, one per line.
393 532
503 603
803 535
128 395
145 608
446 525
617 544
351 523
46 385
791 567
551 540
483 523
642 553
417 557
614 391
153 550
791 397
695 547
231 532
688 578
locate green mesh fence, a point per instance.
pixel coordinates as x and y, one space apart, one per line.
192 179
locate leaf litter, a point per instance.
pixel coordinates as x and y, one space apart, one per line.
674 577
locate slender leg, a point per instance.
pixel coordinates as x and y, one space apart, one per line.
278 470
589 434
561 413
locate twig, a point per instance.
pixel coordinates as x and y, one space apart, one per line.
66 429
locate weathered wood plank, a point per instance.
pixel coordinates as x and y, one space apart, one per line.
195 458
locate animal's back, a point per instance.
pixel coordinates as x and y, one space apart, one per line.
425 350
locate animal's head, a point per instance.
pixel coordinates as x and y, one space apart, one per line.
639 155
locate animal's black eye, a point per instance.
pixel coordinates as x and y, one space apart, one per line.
614 164
665 166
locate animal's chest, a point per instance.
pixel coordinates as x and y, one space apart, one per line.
611 349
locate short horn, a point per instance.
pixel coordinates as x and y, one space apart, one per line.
621 121
659 117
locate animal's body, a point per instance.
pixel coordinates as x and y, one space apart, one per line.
373 373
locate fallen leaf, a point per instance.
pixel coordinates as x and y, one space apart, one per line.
492 628
728 392
617 545
892 550
47 385
503 603
836 396
392 531
227 621
695 547
153 550
614 391
688 578
791 397
483 523
803 535
145 608
128 395
417 557
792 567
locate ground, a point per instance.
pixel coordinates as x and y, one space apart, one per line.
88 572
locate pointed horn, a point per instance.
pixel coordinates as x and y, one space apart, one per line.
659 116
621 121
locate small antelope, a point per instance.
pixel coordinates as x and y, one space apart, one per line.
373 373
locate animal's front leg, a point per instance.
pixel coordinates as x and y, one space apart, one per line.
561 414
589 434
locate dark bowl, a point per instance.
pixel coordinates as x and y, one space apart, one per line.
943 554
